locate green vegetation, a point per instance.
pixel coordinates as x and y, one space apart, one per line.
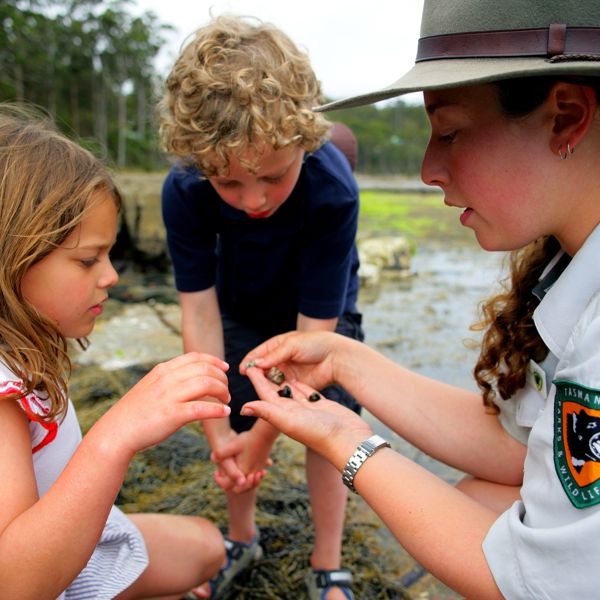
417 216
391 139
91 65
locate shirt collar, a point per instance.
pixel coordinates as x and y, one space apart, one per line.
566 294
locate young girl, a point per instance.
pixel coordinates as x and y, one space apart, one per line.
60 535
512 96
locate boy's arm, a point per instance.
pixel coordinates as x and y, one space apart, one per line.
202 331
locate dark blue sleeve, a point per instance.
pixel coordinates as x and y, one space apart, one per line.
329 261
190 227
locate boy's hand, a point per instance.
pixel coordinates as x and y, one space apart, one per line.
250 456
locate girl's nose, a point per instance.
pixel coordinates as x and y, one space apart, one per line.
109 277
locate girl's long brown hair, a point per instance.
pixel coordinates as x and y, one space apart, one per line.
48 184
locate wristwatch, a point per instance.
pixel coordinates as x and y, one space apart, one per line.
362 452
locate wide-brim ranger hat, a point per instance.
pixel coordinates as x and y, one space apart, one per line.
467 42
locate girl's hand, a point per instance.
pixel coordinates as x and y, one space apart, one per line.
307 357
168 397
330 429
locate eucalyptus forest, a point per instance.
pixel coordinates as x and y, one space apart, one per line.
91 64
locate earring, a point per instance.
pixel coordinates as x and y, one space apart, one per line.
567 153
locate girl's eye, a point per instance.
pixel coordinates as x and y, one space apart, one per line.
89 262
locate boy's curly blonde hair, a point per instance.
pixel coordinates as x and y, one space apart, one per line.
239 86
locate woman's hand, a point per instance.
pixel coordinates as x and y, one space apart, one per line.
325 426
168 397
308 357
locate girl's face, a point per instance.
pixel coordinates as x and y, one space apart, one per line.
260 195
496 169
69 285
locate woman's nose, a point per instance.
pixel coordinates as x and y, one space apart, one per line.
432 170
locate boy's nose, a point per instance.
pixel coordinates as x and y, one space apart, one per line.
253 201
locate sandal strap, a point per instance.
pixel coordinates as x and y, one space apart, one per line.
332 577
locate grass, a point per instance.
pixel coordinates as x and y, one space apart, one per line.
418 216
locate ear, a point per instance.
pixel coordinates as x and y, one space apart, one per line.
573 108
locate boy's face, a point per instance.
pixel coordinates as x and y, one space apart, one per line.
260 195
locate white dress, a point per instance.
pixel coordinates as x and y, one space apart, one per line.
120 556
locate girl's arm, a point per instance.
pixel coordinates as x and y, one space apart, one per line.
45 542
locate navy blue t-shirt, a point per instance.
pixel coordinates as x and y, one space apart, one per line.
303 258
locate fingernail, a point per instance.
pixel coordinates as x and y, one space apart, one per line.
246 411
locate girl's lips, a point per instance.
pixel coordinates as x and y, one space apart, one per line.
97 309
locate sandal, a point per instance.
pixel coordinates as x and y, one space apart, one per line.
239 557
319 581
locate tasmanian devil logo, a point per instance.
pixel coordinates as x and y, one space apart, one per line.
577 442
583 438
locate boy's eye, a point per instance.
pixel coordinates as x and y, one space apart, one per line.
273 179
226 184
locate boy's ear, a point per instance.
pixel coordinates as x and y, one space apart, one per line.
574 108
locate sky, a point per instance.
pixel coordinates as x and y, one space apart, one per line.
354 46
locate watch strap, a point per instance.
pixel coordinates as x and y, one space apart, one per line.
363 451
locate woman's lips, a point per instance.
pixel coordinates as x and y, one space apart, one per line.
464 215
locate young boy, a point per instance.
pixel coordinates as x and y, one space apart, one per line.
261 216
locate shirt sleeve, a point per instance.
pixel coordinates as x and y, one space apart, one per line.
543 563
190 228
330 258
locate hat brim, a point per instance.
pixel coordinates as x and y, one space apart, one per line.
448 73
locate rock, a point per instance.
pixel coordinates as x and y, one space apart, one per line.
375 254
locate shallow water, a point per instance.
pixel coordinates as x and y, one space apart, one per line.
422 322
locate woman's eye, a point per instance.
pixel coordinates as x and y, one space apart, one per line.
448 137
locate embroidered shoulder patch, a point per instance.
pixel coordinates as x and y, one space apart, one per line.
577 442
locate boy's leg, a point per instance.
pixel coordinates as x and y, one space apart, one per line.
239 340
328 495
184 552
240 511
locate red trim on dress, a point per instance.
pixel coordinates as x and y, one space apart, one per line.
34 409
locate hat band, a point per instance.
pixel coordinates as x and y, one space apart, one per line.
550 41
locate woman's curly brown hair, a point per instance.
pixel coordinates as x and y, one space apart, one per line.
239 86
511 339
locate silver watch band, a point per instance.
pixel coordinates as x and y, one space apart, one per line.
362 452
